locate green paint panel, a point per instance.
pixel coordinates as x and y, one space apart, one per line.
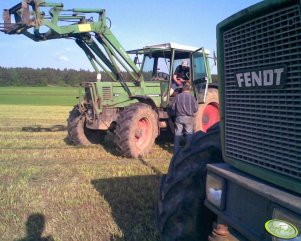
261 127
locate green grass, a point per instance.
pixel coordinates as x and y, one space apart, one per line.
81 193
50 96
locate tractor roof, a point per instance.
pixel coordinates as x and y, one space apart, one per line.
167 47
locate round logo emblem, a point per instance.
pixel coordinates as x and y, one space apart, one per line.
281 229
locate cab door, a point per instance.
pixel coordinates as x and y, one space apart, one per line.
200 74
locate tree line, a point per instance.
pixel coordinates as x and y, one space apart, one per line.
44 77
49 76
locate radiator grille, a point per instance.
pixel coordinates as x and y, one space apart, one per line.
107 93
263 127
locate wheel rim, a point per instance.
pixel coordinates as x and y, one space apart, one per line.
142 132
210 116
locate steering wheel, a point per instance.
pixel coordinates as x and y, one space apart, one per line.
162 76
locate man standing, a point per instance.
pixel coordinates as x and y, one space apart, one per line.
184 107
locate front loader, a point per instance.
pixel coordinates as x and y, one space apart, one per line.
134 105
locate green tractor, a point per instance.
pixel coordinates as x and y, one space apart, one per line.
242 179
134 105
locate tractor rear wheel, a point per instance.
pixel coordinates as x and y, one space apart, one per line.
181 213
78 133
136 130
208 112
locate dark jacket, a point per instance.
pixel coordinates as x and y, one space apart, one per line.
185 104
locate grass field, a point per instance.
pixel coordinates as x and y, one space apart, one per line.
59 96
68 192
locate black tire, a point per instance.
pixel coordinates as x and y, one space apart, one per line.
208 112
181 213
78 133
136 130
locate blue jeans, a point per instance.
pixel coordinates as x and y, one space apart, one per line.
175 86
183 124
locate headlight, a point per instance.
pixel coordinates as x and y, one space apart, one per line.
284 225
215 190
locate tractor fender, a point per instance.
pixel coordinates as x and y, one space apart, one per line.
215 86
146 100
212 86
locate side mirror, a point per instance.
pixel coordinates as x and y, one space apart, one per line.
214 58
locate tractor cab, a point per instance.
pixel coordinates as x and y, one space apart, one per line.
159 62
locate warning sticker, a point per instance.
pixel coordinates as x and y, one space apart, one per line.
84 27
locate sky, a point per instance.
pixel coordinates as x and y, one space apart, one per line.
135 24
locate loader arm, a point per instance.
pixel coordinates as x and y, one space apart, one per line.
95 38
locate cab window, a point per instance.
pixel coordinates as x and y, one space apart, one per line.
156 67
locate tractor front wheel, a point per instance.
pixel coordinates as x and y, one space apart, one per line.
136 130
181 213
78 133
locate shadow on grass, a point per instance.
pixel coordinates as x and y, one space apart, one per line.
133 203
34 228
109 144
38 128
165 140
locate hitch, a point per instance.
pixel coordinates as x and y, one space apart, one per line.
27 14
24 18
220 232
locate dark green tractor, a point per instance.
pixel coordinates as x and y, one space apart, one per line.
133 104
242 179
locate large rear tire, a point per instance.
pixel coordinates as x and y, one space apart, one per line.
78 133
208 112
136 130
181 213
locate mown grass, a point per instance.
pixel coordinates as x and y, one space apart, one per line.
81 193
49 96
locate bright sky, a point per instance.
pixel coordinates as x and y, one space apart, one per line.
135 24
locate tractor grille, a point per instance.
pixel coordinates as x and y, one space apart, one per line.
263 126
107 93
